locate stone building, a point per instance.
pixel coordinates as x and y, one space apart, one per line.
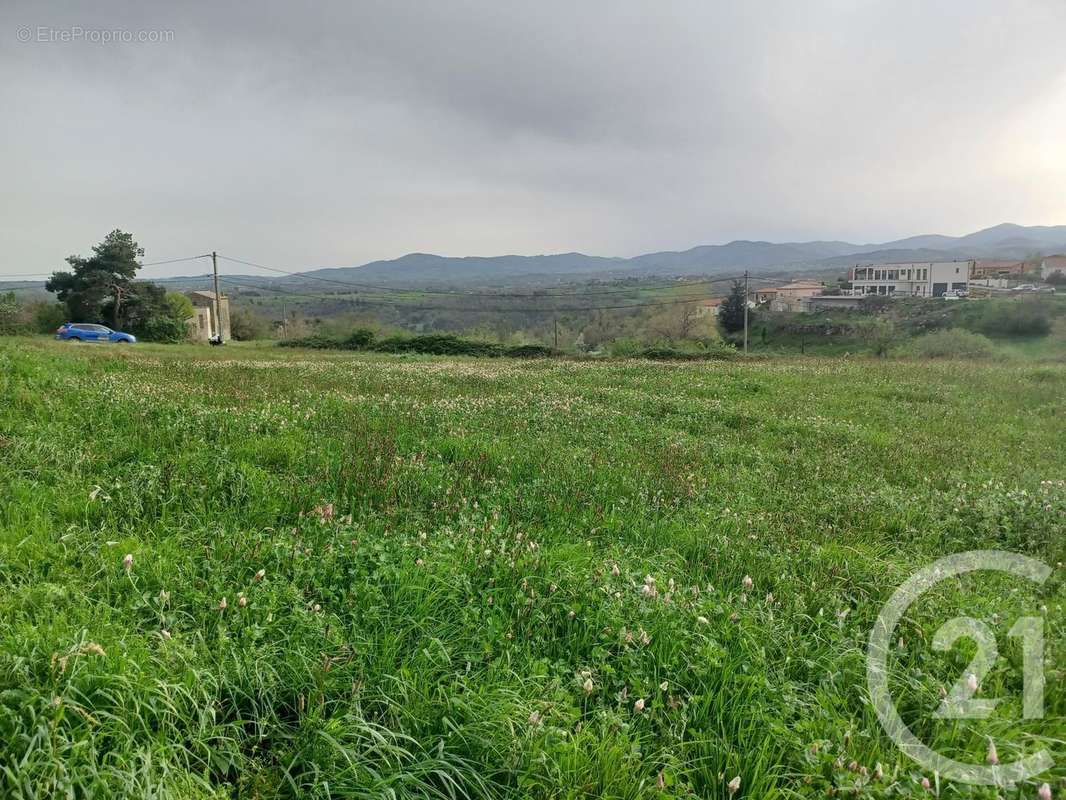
204 323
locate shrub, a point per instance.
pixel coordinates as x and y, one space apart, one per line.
163 329
11 314
672 354
246 325
441 344
952 343
359 339
314 342
529 351
48 316
1012 318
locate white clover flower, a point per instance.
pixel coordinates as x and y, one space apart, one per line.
733 786
127 562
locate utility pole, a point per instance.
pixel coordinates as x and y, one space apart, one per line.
218 297
745 311
556 333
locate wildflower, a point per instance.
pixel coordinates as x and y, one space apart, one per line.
419 562
638 706
534 718
127 562
92 649
660 781
571 614
222 604
242 601
971 682
747 582
926 784
615 571
853 766
703 620
733 786
993 756
316 608
588 686
165 633
260 575
879 771
664 686
1044 792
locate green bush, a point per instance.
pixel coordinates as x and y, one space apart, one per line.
11 315
48 316
163 329
440 344
1012 318
529 351
952 343
672 354
432 344
246 326
313 342
360 339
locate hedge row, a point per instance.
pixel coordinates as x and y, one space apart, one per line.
432 344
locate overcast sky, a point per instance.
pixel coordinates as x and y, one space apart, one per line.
337 133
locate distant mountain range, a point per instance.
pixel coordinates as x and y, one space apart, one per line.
1005 241
423 270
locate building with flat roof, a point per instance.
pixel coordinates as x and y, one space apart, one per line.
913 279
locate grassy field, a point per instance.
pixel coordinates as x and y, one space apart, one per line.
256 573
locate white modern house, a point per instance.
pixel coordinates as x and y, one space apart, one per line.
914 279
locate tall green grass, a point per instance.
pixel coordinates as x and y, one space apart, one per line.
473 570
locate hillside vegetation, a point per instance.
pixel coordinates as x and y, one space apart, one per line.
248 572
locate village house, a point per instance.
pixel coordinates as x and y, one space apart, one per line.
709 307
204 322
793 296
1052 264
914 279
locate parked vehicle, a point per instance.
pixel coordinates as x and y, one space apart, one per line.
955 294
1025 287
87 332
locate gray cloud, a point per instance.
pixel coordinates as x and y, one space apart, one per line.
341 133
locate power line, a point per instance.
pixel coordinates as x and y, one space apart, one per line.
675 285
140 266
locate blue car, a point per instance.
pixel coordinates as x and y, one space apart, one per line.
85 332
